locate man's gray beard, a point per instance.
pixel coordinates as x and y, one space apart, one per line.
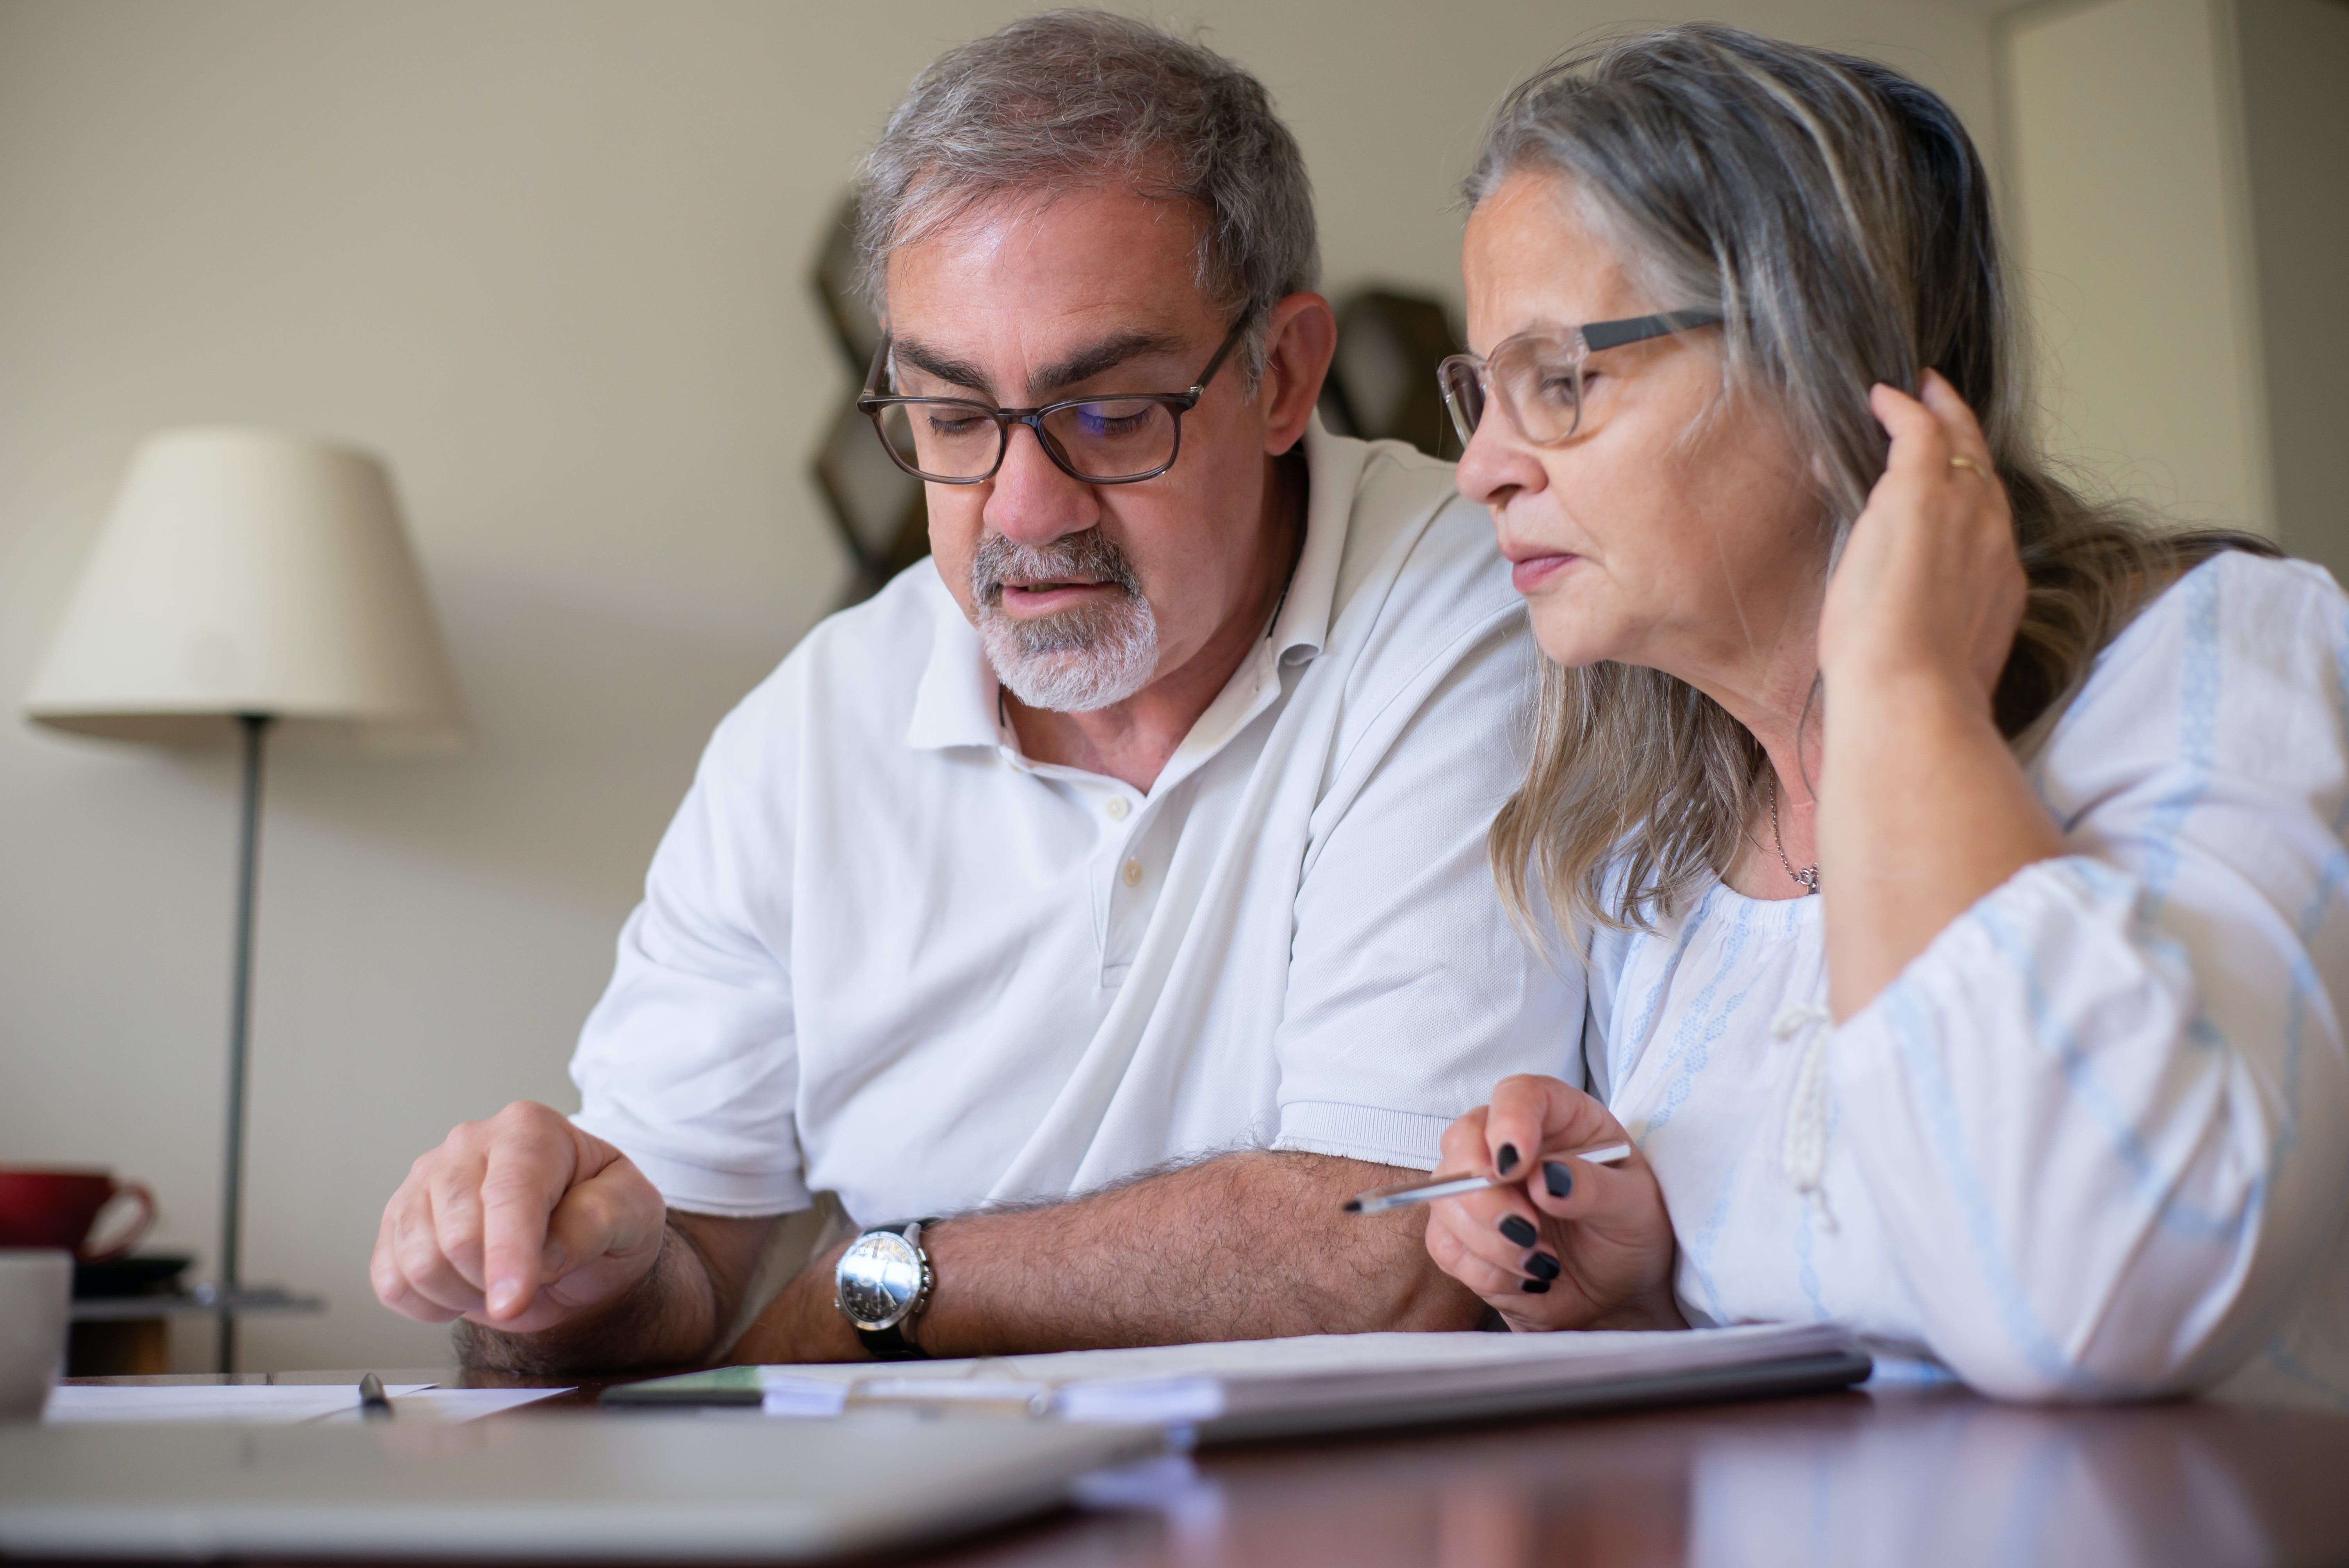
1077 660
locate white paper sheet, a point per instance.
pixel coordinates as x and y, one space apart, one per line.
1184 1384
445 1405
272 1404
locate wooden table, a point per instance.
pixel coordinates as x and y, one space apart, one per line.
1906 1478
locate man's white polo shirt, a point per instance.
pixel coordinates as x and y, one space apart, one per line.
882 954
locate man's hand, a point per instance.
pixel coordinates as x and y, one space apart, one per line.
519 1222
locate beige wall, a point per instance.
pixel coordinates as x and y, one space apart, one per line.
2130 216
2294 58
550 259
2180 169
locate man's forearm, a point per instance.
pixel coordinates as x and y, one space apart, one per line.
668 1319
1247 1247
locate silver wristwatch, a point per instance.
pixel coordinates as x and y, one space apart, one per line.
881 1284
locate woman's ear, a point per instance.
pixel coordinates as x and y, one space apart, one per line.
1300 338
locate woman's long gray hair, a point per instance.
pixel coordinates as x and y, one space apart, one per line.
1839 216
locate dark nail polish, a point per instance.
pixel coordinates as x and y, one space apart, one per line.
1558 1179
1514 1226
1507 1161
1541 1265
1534 1286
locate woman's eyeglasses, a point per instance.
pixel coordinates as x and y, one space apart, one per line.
1537 376
1117 440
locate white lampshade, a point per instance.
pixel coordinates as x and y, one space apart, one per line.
248 571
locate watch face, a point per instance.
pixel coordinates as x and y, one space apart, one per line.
877 1279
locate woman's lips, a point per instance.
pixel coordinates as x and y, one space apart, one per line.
1529 573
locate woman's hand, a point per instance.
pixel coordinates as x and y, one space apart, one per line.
1573 1245
1922 806
1930 586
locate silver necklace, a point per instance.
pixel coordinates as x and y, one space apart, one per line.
1810 875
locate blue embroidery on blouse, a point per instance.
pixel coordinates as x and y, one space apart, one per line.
2341 706
1694 1041
2158 1188
1637 1033
1913 1029
2197 728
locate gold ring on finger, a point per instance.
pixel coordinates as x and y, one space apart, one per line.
1962 462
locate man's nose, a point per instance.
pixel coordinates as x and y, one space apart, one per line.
1031 500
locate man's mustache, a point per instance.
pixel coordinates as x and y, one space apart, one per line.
1087 557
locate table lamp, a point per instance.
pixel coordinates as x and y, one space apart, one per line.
247 583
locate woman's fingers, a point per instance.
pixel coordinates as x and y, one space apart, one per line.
1584 1190
1566 1243
1934 437
1518 1137
1904 419
1487 1279
1529 1114
1501 1227
1959 429
1521 1137
1929 583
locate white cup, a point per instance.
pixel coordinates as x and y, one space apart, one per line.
34 1290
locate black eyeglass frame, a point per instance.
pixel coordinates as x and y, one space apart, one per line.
874 404
1586 340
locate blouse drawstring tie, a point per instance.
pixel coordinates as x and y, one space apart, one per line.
1803 1153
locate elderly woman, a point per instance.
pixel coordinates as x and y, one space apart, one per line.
1955 864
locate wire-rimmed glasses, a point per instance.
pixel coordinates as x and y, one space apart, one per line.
1537 376
1121 438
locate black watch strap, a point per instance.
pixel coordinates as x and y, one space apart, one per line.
890 1345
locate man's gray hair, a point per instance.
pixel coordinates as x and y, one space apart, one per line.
1073 99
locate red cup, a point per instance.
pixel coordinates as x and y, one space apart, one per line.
58 1207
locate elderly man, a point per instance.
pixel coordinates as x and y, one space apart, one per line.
1096 908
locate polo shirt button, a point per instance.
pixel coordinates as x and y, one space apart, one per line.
1117 808
1132 873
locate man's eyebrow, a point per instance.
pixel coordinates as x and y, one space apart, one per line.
1080 365
944 367
1090 361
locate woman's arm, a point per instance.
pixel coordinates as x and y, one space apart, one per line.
2103 1116
2093 1073
1922 806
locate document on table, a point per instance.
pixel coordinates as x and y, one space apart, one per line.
269 1404
1317 1383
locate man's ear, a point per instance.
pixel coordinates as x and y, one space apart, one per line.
1301 337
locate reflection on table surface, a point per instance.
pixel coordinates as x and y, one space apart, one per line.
1902 1477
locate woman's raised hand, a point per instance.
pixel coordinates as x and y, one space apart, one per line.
1922 808
1571 1244
1929 585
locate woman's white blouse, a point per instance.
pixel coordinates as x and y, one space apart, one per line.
2093 1142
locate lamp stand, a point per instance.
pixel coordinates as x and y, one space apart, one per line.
252 727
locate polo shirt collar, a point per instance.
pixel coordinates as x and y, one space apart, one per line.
956 702
1334 471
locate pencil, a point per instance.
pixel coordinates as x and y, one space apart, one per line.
1378 1199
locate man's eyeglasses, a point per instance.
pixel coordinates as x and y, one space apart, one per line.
1111 440
1537 376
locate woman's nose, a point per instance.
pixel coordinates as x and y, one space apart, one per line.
1493 468
1031 500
